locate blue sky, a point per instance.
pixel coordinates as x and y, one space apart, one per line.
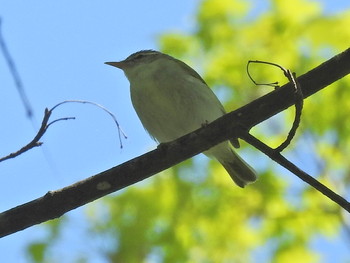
59 48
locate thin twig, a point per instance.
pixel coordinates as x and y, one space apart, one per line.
299 103
45 125
120 131
16 77
272 84
60 119
35 142
299 99
277 157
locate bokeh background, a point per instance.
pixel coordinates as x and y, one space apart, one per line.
192 212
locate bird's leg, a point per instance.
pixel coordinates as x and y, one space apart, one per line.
163 146
205 123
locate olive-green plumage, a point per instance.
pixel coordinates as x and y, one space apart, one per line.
171 100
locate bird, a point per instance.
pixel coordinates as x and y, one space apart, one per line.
171 99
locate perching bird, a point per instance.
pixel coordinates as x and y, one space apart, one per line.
171 100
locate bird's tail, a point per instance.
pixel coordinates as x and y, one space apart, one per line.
240 172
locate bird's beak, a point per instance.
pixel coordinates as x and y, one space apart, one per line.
120 64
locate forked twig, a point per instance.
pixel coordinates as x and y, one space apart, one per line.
299 99
35 142
45 124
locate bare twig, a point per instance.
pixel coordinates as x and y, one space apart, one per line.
299 103
45 124
299 99
120 131
60 119
35 142
271 84
16 77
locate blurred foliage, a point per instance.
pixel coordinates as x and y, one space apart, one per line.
193 212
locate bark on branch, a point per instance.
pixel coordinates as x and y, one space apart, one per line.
56 203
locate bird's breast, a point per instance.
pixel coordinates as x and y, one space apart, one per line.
170 106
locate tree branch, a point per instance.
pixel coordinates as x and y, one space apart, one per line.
45 125
54 204
35 142
275 155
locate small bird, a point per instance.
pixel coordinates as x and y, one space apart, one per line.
171 99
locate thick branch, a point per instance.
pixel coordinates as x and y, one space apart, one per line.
56 203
